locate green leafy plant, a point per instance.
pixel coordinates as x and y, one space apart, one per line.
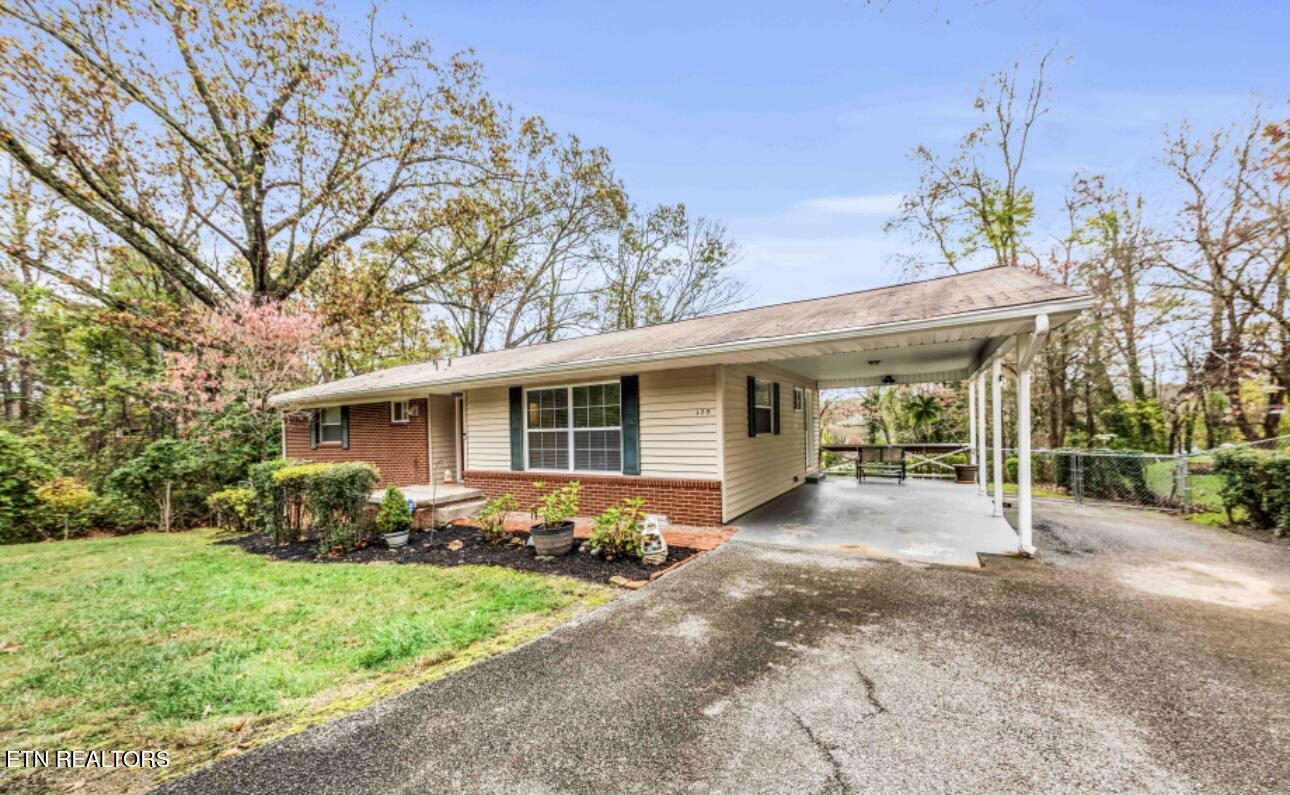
617 531
393 515
277 510
164 474
1258 482
20 470
557 505
234 507
335 496
492 517
65 497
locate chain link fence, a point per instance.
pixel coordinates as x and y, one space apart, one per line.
1180 482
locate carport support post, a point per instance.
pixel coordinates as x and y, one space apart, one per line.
982 468
1023 457
996 408
972 457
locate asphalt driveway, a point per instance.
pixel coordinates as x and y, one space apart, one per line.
1141 653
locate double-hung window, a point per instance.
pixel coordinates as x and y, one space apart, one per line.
577 428
329 425
763 407
799 398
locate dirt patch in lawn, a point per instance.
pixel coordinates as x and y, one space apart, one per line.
460 545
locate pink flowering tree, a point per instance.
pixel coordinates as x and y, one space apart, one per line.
240 356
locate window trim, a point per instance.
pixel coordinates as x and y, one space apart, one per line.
570 429
768 406
323 425
407 412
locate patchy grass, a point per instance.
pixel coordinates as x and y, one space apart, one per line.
170 642
1202 489
1037 490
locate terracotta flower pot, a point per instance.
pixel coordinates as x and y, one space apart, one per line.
554 540
965 473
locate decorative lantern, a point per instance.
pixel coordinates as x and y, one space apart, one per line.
653 545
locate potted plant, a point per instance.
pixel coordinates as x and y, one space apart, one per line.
394 518
556 508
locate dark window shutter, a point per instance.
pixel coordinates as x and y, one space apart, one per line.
630 390
344 427
315 417
752 406
774 405
517 428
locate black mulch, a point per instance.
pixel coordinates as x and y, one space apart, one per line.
474 550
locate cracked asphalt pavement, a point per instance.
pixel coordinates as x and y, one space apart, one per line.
1140 653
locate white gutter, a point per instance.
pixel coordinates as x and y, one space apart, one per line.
993 315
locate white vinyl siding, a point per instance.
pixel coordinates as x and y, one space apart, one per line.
443 430
488 429
679 433
759 468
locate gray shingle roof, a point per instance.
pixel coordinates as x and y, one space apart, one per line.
991 288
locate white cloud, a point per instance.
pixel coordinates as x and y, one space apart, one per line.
864 204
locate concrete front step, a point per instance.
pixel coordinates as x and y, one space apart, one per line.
452 511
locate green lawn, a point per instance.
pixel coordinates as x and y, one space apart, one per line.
173 642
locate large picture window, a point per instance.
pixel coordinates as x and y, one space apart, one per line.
585 419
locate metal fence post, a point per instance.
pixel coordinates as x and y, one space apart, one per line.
1077 476
1181 486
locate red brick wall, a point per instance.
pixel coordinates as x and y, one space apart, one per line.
692 502
399 451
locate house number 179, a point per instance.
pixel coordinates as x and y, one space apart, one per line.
703 412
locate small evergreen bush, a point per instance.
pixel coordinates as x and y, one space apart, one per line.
394 516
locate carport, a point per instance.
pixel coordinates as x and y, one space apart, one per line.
921 520
929 521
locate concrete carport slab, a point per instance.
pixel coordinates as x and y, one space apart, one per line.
921 521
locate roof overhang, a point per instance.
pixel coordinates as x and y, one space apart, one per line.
991 327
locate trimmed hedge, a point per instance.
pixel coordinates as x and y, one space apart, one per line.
1257 481
293 497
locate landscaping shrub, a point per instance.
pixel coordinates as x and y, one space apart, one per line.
617 531
492 517
394 515
20 471
234 507
64 498
168 477
1257 481
277 510
557 505
334 497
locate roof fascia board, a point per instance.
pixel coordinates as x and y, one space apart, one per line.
1059 306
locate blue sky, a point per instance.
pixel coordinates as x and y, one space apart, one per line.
792 122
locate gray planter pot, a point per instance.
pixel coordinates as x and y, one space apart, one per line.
399 538
965 473
551 541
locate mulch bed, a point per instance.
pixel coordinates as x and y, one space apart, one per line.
475 550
